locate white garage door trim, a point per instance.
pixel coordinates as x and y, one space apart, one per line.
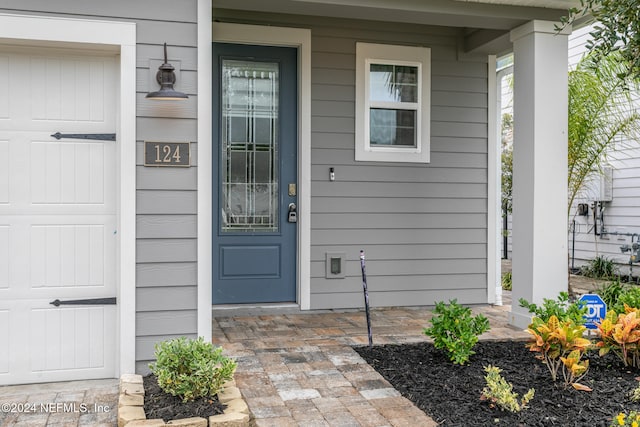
119 37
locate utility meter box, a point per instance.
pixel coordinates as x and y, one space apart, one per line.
600 187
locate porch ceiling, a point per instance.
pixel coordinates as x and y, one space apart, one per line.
481 14
487 22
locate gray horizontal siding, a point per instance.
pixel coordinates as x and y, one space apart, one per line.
166 202
162 10
389 173
164 129
166 274
364 205
173 323
401 220
400 268
400 298
166 250
400 189
166 226
438 159
433 281
423 226
158 178
392 236
166 299
405 252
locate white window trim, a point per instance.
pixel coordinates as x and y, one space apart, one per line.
369 53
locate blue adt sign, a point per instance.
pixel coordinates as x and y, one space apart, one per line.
596 310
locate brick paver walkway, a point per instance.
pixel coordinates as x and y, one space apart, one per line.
300 370
295 369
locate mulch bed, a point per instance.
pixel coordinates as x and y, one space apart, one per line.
450 394
158 404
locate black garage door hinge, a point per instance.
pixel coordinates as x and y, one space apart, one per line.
94 301
94 136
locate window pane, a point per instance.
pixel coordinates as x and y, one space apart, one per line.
393 83
392 127
249 146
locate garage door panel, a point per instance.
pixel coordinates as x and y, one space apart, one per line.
70 338
4 172
68 256
58 215
5 327
4 256
68 172
67 89
4 86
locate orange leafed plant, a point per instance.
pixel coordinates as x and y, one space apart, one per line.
560 345
620 333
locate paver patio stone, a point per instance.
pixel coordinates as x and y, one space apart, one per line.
297 370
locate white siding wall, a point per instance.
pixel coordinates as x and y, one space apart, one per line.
622 214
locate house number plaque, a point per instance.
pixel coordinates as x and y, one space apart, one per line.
167 153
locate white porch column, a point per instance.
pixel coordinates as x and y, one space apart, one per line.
539 165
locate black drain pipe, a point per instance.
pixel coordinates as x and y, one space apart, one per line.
505 236
573 248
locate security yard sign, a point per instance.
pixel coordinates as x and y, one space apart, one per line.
596 310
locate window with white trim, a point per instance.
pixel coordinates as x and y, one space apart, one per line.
393 88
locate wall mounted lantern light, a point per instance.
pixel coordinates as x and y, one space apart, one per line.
166 77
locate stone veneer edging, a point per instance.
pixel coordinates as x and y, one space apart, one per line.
131 407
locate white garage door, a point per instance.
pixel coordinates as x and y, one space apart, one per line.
57 216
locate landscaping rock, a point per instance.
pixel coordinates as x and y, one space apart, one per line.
126 414
228 394
233 419
237 405
189 422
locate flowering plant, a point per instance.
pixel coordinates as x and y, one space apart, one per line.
631 420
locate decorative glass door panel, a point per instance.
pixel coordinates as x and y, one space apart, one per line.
255 153
250 93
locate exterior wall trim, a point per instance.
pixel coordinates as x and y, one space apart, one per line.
205 76
494 285
300 38
119 37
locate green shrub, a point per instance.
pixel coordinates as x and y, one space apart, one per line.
629 296
506 281
454 330
616 294
501 393
600 268
562 308
611 292
191 368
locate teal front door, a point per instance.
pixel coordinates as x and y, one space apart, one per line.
255 170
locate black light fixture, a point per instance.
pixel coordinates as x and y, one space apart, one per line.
166 77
